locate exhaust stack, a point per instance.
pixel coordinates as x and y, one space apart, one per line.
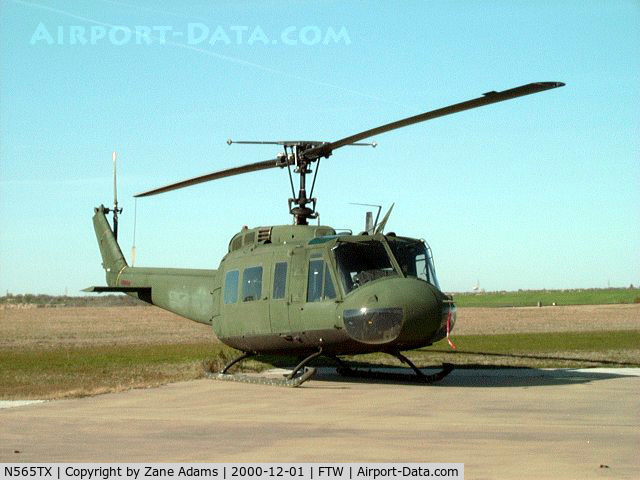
368 223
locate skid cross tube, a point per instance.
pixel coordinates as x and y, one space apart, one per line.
301 365
404 359
256 379
242 357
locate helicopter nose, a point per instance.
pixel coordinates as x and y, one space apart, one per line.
405 311
426 313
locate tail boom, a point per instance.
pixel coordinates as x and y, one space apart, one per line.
187 292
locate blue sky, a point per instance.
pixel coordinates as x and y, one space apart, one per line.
537 192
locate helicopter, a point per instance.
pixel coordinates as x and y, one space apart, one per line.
305 290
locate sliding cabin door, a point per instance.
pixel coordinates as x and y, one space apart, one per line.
279 285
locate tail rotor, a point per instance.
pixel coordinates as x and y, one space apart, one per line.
116 211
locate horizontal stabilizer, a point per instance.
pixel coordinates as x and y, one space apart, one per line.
146 290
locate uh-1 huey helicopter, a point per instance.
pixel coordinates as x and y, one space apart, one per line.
300 289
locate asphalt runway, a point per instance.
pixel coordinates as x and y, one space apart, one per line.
500 423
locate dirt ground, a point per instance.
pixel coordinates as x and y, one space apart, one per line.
81 326
576 318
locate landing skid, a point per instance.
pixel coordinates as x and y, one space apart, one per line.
300 374
261 380
419 377
297 377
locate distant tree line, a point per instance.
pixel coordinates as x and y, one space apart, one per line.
65 301
575 296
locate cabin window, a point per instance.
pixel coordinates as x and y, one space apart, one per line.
251 284
319 284
279 280
329 290
414 259
231 287
362 262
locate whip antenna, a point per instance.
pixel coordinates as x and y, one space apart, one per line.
135 219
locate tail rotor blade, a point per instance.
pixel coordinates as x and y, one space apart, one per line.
115 186
115 197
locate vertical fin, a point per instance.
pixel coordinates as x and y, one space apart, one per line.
113 260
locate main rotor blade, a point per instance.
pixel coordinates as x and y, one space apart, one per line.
293 143
252 167
486 99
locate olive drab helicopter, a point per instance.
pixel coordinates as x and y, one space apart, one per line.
305 290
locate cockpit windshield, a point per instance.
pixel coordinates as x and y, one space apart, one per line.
362 262
414 259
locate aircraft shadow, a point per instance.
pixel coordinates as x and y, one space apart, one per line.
472 375
586 361
480 376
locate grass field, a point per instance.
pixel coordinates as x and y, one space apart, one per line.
530 298
70 352
81 371
619 348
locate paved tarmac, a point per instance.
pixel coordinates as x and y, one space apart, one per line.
500 423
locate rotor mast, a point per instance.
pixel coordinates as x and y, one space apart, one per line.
301 212
295 155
